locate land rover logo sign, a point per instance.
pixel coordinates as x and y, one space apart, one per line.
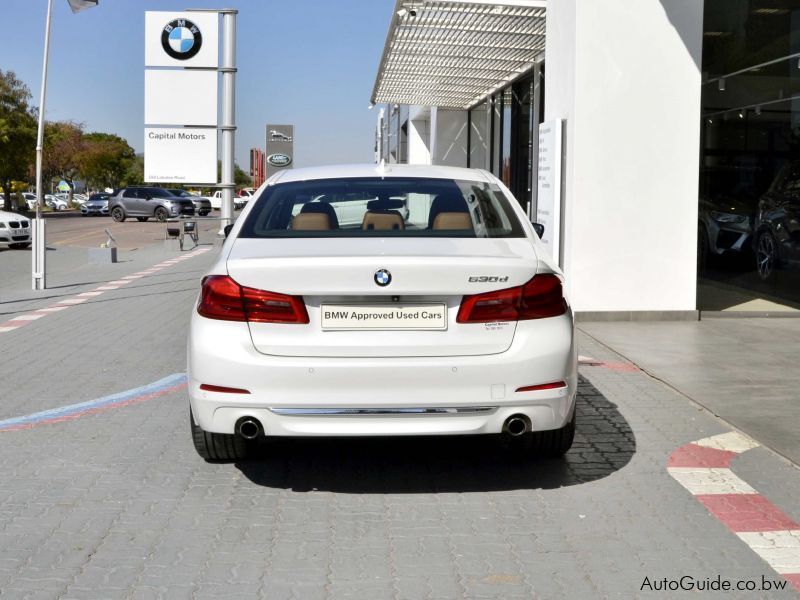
279 160
181 39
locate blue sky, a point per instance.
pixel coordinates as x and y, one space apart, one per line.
307 62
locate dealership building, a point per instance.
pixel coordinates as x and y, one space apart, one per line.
678 138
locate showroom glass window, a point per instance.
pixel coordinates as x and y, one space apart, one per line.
749 220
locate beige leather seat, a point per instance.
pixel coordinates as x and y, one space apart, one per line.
382 220
311 222
452 220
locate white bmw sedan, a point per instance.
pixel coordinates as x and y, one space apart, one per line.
436 312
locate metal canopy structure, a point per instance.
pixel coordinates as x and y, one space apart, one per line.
453 54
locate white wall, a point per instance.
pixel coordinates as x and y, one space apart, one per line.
625 75
419 136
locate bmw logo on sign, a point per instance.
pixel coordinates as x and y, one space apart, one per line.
383 277
181 39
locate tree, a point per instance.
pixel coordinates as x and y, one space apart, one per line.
240 177
64 144
105 159
17 133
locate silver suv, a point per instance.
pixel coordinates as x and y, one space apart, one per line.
146 202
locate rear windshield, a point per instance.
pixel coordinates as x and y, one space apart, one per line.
378 207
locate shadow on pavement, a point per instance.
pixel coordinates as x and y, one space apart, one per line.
604 444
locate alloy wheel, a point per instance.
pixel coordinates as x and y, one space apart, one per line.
766 255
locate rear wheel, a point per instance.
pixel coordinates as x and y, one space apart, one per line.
217 446
553 443
142 219
118 214
161 214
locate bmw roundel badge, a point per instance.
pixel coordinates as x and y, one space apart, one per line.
181 39
383 277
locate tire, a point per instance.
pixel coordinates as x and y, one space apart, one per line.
118 214
142 219
217 446
204 213
766 255
554 443
161 214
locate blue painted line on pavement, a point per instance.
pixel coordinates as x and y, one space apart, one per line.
75 410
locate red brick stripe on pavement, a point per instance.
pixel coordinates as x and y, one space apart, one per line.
746 512
692 455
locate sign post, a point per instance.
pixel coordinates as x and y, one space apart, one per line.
182 137
228 115
548 205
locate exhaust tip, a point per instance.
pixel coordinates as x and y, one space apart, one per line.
517 425
249 428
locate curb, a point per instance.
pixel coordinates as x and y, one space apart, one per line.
703 468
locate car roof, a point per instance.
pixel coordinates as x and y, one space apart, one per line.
376 170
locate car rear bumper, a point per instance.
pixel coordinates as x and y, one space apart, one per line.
382 396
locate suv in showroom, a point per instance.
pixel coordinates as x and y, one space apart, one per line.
146 202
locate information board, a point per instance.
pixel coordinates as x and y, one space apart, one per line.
548 205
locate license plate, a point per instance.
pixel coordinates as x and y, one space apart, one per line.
383 317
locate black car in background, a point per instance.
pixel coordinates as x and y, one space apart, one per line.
146 202
777 225
202 206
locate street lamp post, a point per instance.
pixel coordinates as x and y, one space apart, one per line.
39 254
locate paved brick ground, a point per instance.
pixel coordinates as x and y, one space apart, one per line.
118 505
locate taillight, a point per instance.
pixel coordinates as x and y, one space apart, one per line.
224 299
540 298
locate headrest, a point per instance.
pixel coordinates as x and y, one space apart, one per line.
324 208
311 221
382 220
452 220
446 203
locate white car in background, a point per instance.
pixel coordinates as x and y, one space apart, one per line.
448 320
239 202
15 230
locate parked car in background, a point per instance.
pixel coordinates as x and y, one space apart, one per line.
30 200
146 202
777 223
724 228
202 206
15 230
96 204
248 192
79 198
239 202
57 203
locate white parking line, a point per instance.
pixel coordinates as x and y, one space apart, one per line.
34 315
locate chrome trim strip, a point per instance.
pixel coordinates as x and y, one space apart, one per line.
439 410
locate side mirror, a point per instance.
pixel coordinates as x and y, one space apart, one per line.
227 230
539 229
